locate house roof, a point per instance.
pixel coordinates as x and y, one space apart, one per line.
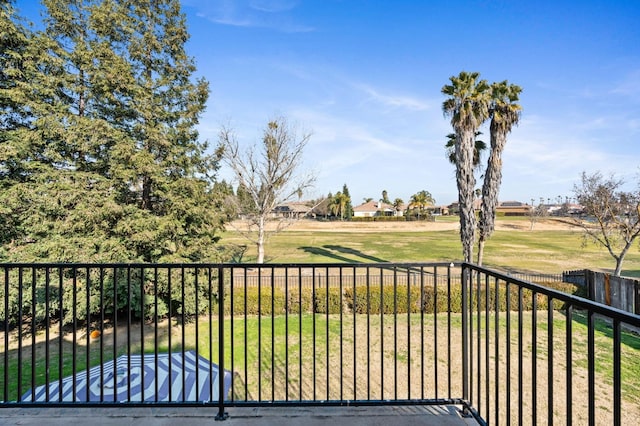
293 207
373 206
511 204
477 204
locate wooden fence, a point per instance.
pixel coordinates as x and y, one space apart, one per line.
619 292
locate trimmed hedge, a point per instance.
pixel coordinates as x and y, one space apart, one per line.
376 300
411 218
386 299
292 303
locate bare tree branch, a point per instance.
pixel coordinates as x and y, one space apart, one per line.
269 172
613 215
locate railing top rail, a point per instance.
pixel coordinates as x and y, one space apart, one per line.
577 301
228 265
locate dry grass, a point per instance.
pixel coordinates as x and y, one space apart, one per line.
444 223
357 357
406 358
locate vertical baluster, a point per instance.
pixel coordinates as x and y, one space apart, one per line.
591 366
435 330
520 359
33 331
232 291
534 357
550 360
569 362
508 363
617 379
222 415
327 309
286 334
273 341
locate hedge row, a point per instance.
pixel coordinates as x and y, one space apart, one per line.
424 217
82 295
388 299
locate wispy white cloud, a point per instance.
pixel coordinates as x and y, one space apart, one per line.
546 157
271 14
393 100
273 5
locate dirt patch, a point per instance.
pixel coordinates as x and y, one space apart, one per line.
502 224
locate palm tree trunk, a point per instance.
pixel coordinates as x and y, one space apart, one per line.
491 185
466 182
480 250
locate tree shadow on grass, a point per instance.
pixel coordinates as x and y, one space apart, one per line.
318 251
354 252
603 325
336 253
632 273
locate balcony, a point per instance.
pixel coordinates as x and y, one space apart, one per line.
432 342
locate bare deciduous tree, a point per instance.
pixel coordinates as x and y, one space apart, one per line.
269 172
537 212
613 215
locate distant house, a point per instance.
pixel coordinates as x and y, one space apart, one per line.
291 210
454 208
575 209
438 210
376 208
505 208
513 208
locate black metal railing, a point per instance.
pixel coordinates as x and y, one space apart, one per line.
324 334
536 355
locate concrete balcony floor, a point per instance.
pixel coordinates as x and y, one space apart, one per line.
271 416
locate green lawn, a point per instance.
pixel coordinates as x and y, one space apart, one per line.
518 250
354 356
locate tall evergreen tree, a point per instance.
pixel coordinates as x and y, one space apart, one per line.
14 47
114 168
161 158
348 208
14 60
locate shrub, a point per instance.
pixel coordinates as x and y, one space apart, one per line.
330 302
378 300
256 301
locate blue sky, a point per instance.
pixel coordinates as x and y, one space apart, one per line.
364 77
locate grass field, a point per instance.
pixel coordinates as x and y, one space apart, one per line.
323 357
379 356
551 247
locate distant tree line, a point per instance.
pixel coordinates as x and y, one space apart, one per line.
340 206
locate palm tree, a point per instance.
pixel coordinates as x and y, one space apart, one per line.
468 107
385 197
505 113
397 204
478 149
338 204
421 200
